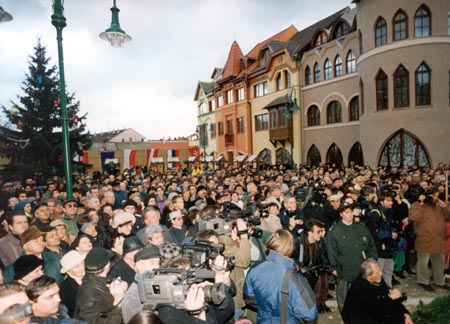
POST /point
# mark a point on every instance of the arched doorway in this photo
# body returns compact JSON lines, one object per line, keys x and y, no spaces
{"x":283,"y":156}
{"x":334,"y":155}
{"x":265,"y":157}
{"x":356,"y":154}
{"x":313,"y":158}
{"x":404,"y":149}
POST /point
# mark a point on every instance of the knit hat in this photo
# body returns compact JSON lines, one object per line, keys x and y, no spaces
{"x":97,"y":259}
{"x":70,"y":260}
{"x":123,"y":218}
{"x":26,"y":264}
{"x":30,"y":234}
{"x":37,"y":206}
{"x":175,"y":214}
{"x":152,"y":229}
{"x":130,"y":244}
{"x":21,"y":205}
{"x":86,"y":225}
{"x":147,"y":253}
{"x":170,"y":251}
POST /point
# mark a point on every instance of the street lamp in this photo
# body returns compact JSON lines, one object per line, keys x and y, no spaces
{"x":289,"y":109}
{"x":5,"y":16}
{"x":59,"y":21}
{"x":114,"y":34}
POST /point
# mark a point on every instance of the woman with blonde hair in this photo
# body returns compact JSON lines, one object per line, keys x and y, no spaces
{"x":278,"y":270}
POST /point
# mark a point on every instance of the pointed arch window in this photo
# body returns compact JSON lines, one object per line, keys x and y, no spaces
{"x":356,"y":154}
{"x":422,"y":22}
{"x":423,"y":87}
{"x":334,"y":112}
{"x":353,"y":109}
{"x":338,"y":66}
{"x":313,"y":157}
{"x":320,"y":39}
{"x":404,"y":149}
{"x":380,"y":32}
{"x":401,"y":87}
{"x":283,"y":156}
{"x":308,"y":76}
{"x":382,"y":90}
{"x":334,"y":155}
{"x":400,"y":26}
{"x":327,"y":70}
{"x":313,"y":116}
{"x":265,"y":156}
{"x":351,"y":62}
{"x":341,"y":30}
{"x":316,"y":72}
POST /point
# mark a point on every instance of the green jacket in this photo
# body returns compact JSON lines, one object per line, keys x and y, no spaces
{"x":348,"y":247}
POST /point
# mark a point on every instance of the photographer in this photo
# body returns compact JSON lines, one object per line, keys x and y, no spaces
{"x":430,"y":214}
{"x":370,"y":301}
{"x":291,"y":216}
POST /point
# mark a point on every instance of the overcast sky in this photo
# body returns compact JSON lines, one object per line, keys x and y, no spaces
{"x":149,"y":83}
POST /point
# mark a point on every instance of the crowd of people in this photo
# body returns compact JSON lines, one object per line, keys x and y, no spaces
{"x":273,"y":244}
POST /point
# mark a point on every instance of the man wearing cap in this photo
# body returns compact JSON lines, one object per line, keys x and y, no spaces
{"x":32,"y":242}
{"x":177,"y":232}
{"x":330,"y":208}
{"x":145,"y":260}
{"x":27,"y":268}
{"x":10,"y":248}
{"x":61,"y":230}
{"x":41,"y":214}
{"x":348,"y":245}
{"x":97,"y":301}
{"x":70,"y":216}
{"x":124,"y":268}
{"x":151,"y":217}
{"x":72,"y":265}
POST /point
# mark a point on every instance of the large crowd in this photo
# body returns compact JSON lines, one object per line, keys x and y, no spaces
{"x":223,"y":245}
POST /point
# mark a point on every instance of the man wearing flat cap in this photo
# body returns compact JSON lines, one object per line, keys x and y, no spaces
{"x":97,"y":301}
{"x":72,"y":264}
{"x":124,"y":268}
{"x":41,"y":214}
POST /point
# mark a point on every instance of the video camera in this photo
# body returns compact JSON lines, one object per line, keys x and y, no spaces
{"x":16,"y":313}
{"x":200,"y":252}
{"x":170,"y":286}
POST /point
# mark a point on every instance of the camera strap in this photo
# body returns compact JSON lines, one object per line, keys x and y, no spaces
{"x":284,"y":296}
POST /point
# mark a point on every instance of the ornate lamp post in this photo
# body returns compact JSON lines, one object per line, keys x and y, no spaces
{"x":289,"y":109}
{"x":114,"y":34}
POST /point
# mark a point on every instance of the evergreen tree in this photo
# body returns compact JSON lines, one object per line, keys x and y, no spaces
{"x":35,"y":149}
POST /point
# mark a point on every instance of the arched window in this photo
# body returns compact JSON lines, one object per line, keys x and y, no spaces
{"x":401,"y":87}
{"x":400,"y":25}
{"x":382,"y":90}
{"x":334,"y":156}
{"x":338,"y":66}
{"x":313,"y":158}
{"x":327,"y":70}
{"x":334,"y":112}
{"x":353,"y":109}
{"x":340,"y":30}
{"x":422,"y":22}
{"x":380,"y":32}
{"x":361,"y":91}
{"x":316,"y":72}
{"x":404,"y":149}
{"x":351,"y":62}
{"x":423,"y":86}
{"x":283,"y":156}
{"x":279,"y":82}
{"x":308,"y":76}
{"x":320,"y":39}
{"x":355,"y":156}
{"x":313,"y":116}
{"x":265,"y":156}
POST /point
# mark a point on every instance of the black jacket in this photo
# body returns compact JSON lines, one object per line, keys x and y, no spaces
{"x":124,"y":271}
{"x":95,"y":303}
{"x":68,"y":291}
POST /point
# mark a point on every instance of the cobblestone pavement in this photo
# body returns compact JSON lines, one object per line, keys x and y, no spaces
{"x":409,"y":286}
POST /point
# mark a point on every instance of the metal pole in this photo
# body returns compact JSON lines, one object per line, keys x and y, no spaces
{"x":59,"y":21}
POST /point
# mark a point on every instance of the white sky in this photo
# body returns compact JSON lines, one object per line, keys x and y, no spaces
{"x":149,"y":83}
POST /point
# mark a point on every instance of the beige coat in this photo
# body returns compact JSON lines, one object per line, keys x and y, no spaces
{"x":430,"y":227}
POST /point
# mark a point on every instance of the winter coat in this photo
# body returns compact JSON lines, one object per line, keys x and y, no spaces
{"x":95,"y":303}
{"x":348,"y":246}
{"x":10,"y":249}
{"x":263,"y":288}
{"x":68,"y":293}
{"x":430,"y":227}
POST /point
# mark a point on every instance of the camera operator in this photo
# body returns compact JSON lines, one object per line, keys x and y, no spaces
{"x":311,"y":259}
{"x":430,"y":214}
{"x":369,"y":299}
{"x":269,"y":217}
{"x":291,"y":216}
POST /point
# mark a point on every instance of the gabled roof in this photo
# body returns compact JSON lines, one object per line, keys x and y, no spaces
{"x":206,"y":87}
{"x":304,"y":37}
{"x":282,"y":36}
{"x":233,"y":65}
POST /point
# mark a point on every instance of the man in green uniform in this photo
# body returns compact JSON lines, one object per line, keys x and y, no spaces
{"x":348,"y":245}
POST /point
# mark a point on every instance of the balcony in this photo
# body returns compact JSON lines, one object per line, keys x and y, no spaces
{"x":280,"y":134}
{"x":229,"y":139}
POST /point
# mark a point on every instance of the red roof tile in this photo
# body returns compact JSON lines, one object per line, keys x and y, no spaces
{"x":282,"y":36}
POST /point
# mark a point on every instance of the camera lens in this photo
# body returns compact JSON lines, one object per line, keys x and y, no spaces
{"x":214,"y":294}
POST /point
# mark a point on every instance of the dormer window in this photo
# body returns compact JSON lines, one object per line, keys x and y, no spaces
{"x":320,"y":39}
{"x":341,"y":30}
{"x":265,"y":57}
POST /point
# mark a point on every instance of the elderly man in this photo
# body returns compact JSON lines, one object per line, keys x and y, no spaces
{"x":41,"y":216}
{"x":151,"y":217}
{"x":371,"y":301}
{"x":72,"y":264}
